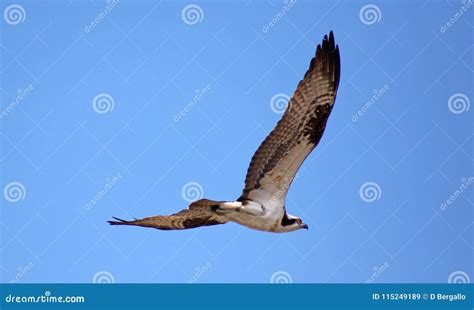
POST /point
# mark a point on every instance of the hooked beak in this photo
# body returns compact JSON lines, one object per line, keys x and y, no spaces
{"x":303,"y":225}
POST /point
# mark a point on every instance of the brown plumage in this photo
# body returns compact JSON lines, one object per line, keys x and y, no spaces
{"x":274,"y":165}
{"x":200,"y":213}
{"x":278,"y":158}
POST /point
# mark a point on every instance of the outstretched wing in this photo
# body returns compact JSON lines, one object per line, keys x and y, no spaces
{"x":279,"y":157}
{"x":199,"y":214}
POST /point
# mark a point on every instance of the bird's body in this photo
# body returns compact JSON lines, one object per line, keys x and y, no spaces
{"x":253,"y":215}
{"x":276,"y":162}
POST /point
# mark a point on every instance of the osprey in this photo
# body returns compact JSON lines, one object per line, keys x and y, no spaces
{"x":273,"y":167}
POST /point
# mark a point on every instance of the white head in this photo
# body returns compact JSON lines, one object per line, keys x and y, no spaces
{"x":291,"y":223}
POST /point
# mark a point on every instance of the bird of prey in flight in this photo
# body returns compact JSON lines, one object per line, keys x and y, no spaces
{"x":276,"y":162}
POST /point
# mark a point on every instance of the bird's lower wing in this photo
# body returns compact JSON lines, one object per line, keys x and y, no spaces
{"x":186,"y":219}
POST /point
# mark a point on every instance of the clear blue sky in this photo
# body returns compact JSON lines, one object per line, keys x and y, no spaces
{"x":192,"y":102}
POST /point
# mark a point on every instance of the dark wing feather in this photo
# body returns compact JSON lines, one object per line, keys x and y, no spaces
{"x":199,"y":214}
{"x":279,"y":157}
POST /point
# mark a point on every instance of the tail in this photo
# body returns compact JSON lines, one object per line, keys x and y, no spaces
{"x":145,"y":222}
{"x":122,"y":222}
{"x":199,"y":213}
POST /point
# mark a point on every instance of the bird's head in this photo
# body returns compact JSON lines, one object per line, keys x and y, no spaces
{"x":291,"y":223}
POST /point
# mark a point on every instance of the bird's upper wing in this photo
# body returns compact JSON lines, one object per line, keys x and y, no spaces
{"x":199,"y":214}
{"x":279,"y":157}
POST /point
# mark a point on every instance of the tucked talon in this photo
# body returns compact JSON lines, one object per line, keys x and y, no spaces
{"x":225,"y":211}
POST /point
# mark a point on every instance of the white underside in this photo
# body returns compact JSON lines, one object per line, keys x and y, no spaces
{"x":252,"y":215}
